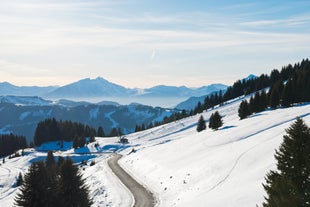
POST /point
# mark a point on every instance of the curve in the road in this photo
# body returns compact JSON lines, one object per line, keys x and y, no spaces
{"x":142,"y":196}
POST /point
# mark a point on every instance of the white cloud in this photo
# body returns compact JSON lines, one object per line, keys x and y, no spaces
{"x":153,"y":55}
{"x":95,"y":35}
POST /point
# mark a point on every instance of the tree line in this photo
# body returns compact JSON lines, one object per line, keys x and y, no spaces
{"x":9,"y":143}
{"x":53,"y":130}
{"x":295,"y":90}
{"x":167,"y":119}
{"x":296,"y":76}
{"x":52,"y":184}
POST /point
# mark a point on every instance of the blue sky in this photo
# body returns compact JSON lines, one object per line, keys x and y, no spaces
{"x":142,"y":43}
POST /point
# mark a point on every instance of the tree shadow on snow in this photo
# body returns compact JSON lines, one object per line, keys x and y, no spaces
{"x":227,"y":127}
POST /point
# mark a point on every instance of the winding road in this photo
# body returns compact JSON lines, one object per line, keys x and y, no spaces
{"x":142,"y":197}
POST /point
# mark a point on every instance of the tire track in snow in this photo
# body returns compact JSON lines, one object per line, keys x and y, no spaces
{"x":7,"y":189}
{"x":242,"y":154}
{"x":232,"y":169}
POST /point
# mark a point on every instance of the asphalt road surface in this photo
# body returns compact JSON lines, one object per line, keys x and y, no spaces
{"x":142,"y":197}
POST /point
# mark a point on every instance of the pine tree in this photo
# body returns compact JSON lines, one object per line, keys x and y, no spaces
{"x":201,"y":124}
{"x":244,"y":110}
{"x":263,"y":100}
{"x":20,"y":179}
{"x":82,"y":141}
{"x":76,"y":142}
{"x":288,"y":94}
{"x":275,"y":94}
{"x":114,"y":132}
{"x":34,"y":191}
{"x":50,"y":160}
{"x":215,"y":121}
{"x":290,"y":184}
{"x":73,"y":191}
{"x":100,"y":132}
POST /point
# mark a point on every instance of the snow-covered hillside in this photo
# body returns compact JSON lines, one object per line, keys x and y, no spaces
{"x":211,"y":168}
{"x":181,"y":166}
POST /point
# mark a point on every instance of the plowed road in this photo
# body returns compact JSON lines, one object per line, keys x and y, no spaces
{"x":142,"y":197}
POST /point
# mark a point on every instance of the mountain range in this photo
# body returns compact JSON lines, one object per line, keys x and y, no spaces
{"x":20,"y":115}
{"x":101,"y":89}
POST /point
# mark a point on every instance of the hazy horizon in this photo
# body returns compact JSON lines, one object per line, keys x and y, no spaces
{"x":140,"y":44}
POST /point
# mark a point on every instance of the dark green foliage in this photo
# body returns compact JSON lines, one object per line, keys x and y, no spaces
{"x":75,"y":143}
{"x":82,"y":142}
{"x":173,"y":117}
{"x":37,"y":189}
{"x":20,"y":179}
{"x":215,"y":121}
{"x":50,"y":160}
{"x":201,"y":124}
{"x":244,"y":110}
{"x":100,"y":132}
{"x":92,"y":139}
{"x":52,"y":130}
{"x":297,"y":91}
{"x":263,"y":101}
{"x":275,"y":94}
{"x":290,"y":184}
{"x":213,"y":100}
{"x":113,"y":133}
{"x":119,"y":132}
{"x":47,"y":130}
{"x":10,"y":143}
{"x":275,"y":76}
{"x":199,"y":108}
{"x":72,"y":189}
{"x":60,"y":162}
{"x":45,"y":188}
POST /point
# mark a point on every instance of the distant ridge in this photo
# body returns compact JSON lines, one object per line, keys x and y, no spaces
{"x":7,"y":88}
{"x":100,"y":89}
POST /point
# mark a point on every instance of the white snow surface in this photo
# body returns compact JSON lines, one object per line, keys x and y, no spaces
{"x":179,"y":165}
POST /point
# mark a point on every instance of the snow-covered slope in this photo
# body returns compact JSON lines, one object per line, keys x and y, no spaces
{"x":211,"y":168}
{"x":181,"y":166}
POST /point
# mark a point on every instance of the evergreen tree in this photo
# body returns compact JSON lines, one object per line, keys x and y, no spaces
{"x":10,"y":143}
{"x":76,"y":142}
{"x":72,"y":189}
{"x":20,"y":179}
{"x":50,"y":160}
{"x":244,"y":110}
{"x":256,"y":103}
{"x":119,"y":132}
{"x":201,"y":124}
{"x":114,"y":132}
{"x":263,"y":100}
{"x":288,"y":94}
{"x":60,"y":161}
{"x":275,"y":94}
{"x":35,"y":190}
{"x":82,"y":141}
{"x":100,"y":132}
{"x":290,"y":184}
{"x":215,"y":121}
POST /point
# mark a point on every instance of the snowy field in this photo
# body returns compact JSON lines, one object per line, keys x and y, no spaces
{"x":179,"y":165}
